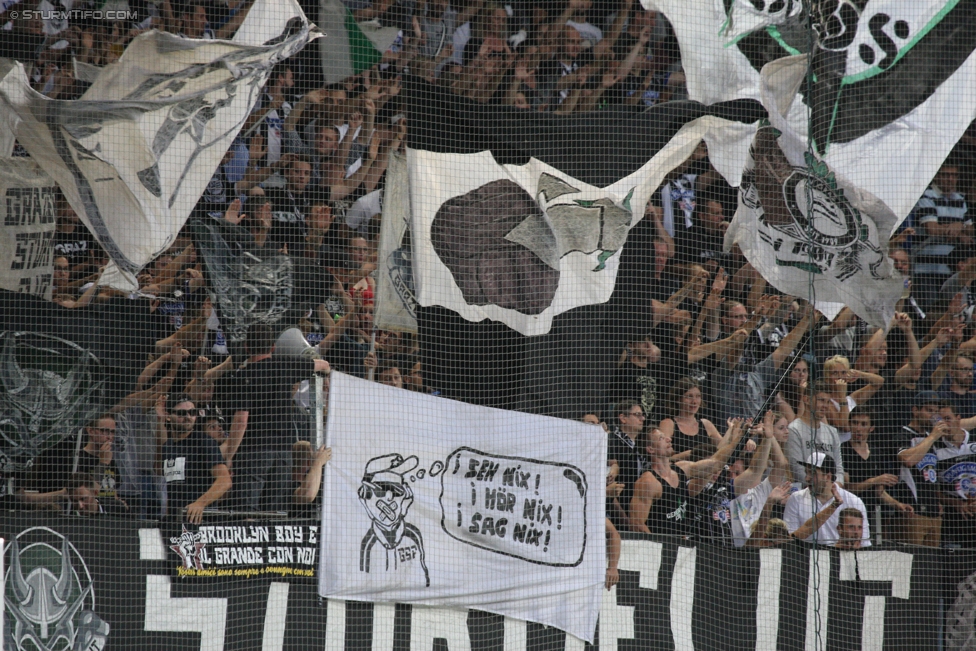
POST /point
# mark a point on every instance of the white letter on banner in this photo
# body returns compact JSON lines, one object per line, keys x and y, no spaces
{"x":767,"y":604}
{"x":683,"y":598}
{"x":383,"y":616}
{"x":818,"y":599}
{"x":617,"y":622}
{"x":274,"y":617}
{"x":189,"y":615}
{"x":335,"y":625}
{"x":427,"y":623}
{"x":877,"y":566}
{"x":516,"y":634}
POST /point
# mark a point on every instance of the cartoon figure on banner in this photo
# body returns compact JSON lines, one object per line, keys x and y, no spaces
{"x":189,"y":547}
{"x":50,"y":600}
{"x":387,"y":498}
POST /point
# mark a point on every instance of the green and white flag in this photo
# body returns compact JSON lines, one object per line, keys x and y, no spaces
{"x":798,"y":223}
{"x":349,"y":47}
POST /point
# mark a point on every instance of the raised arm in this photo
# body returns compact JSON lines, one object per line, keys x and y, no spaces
{"x":613,"y":554}
{"x":700,"y":472}
{"x":757,"y":535}
{"x":813,"y":525}
{"x":913,"y":455}
{"x":792,"y":340}
{"x":760,"y":459}
{"x":312,"y":481}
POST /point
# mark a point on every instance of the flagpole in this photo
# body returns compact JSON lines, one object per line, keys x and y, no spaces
{"x":372,"y":349}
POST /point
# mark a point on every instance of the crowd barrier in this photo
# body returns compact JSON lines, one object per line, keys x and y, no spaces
{"x":119,"y":584}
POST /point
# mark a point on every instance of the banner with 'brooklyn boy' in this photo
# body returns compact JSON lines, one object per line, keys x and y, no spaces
{"x":254,"y":549}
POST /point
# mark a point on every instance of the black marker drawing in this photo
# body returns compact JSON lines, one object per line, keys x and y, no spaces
{"x":387,"y":498}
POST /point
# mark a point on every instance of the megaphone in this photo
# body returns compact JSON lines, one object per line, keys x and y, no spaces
{"x":291,"y":343}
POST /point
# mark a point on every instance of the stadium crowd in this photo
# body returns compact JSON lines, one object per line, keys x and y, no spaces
{"x":741,"y":415}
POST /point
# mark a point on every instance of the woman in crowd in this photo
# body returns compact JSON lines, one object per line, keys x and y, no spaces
{"x":684,"y":427}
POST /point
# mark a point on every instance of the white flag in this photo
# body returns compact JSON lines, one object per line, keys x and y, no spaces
{"x":27,"y":223}
{"x":396,"y":300}
{"x":891,"y":88}
{"x":134,"y":154}
{"x":441,"y":503}
{"x":799,"y":223}
{"x":724,"y":46}
{"x":521,"y":244}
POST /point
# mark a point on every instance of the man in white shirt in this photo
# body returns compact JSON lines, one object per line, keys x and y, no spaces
{"x":813,"y":514}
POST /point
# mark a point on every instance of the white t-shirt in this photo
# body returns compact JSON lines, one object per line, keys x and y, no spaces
{"x":799,"y":509}
{"x":746,"y":510}
{"x":845,"y":436}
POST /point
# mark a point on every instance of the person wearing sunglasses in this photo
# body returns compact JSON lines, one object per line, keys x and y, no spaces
{"x":188,"y":459}
{"x":392,"y":545}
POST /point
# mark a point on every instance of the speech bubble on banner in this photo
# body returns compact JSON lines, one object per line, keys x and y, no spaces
{"x":533,"y":510}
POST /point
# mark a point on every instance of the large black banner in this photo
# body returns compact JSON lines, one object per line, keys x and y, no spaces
{"x":76,"y":584}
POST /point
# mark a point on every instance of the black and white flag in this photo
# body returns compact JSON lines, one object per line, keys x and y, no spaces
{"x":518,"y":217}
{"x":246,"y":285}
{"x":891,"y":91}
{"x":724,"y":46}
{"x":428,"y":493}
{"x":797,"y":221}
{"x":725,"y":43}
{"x":135,"y":152}
{"x":27,"y":223}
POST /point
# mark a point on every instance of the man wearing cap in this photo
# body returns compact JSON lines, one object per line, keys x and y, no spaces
{"x":188,"y":459}
{"x":387,"y":498}
{"x":919,"y":472}
{"x":813,"y":514}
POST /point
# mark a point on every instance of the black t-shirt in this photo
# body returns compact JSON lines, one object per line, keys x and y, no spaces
{"x":264,"y":390}
{"x":628,"y":460}
{"x":859,"y":469}
{"x":698,"y":245}
{"x":645,"y":385}
{"x":681,"y":442}
{"x":347,"y":355}
{"x":188,"y":468}
{"x":288,"y":211}
{"x":311,"y":284}
{"x":662,"y":288}
{"x":52,"y":470}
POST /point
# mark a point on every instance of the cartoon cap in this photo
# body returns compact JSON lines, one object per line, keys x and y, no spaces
{"x":389,"y":467}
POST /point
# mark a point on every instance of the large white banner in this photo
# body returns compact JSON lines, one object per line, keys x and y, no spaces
{"x":521,"y":244}
{"x":27,"y":223}
{"x":134,"y":154}
{"x":436,"y":502}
